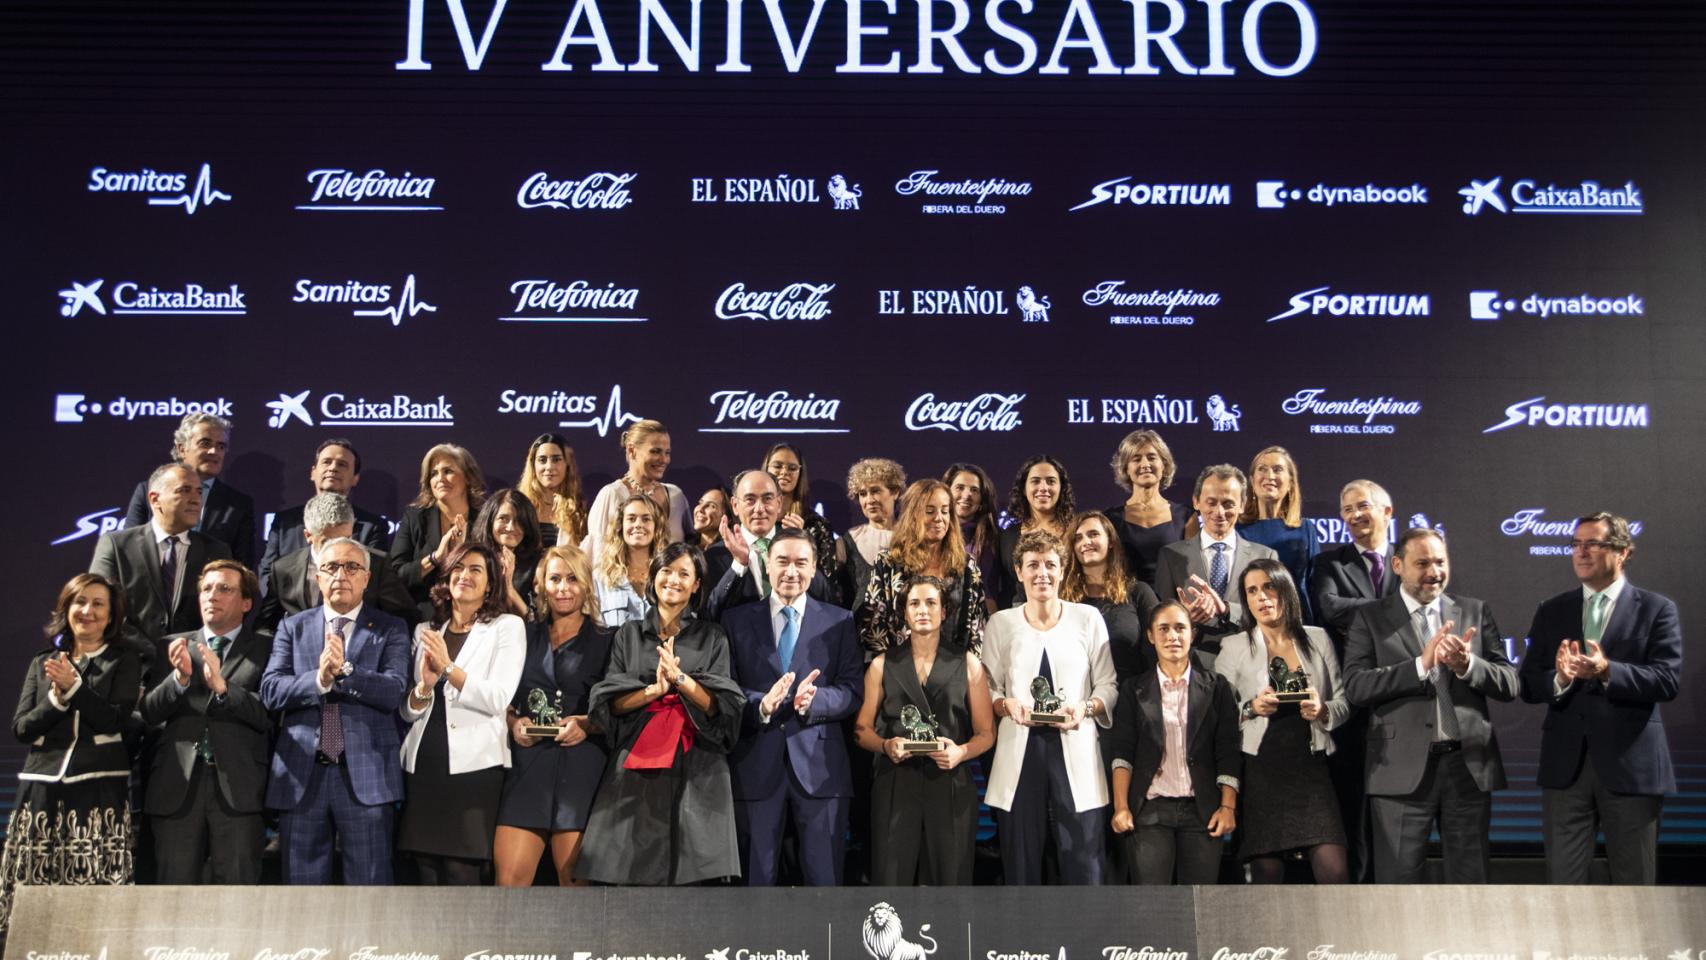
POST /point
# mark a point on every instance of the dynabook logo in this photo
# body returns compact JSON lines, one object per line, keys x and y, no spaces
{"x":1532,"y":523}
{"x":1319,"y":301}
{"x":75,"y":407}
{"x":375,"y":298}
{"x":130,"y":297}
{"x":1121,"y":190}
{"x":582,"y":406}
{"x":1488,"y":305}
{"x":1587,"y":197}
{"x":165,"y":189}
{"x":975,"y":193}
{"x":1536,"y":412}
{"x":796,"y":301}
{"x":336,"y":409}
{"x":743,"y":411}
{"x":595,"y":191}
{"x":335,"y":190}
{"x":984,"y":413}
{"x":781,"y":188}
{"x":1159,"y":409}
{"x":576,"y":301}
{"x":1157,"y":307}
{"x":1274,"y":195}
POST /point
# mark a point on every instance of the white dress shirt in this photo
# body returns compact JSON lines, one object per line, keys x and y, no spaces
{"x":1611,"y":594}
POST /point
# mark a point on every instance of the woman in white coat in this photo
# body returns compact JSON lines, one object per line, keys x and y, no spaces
{"x":1287,"y":795}
{"x":1049,"y":768}
{"x":468,"y":662}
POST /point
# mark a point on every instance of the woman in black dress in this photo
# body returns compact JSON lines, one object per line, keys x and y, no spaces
{"x":785,"y":462}
{"x":1041,"y":500}
{"x":926,"y":544}
{"x":1147,"y":521}
{"x":551,"y":782}
{"x":468,"y":661}
{"x":665,"y":811}
{"x":436,"y":522}
{"x":924,"y":805}
{"x":509,"y":525}
{"x":72,"y":821}
{"x":1290,"y":808}
{"x":1096,"y":574}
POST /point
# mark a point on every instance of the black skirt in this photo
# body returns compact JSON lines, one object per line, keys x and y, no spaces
{"x":446,"y":814}
{"x":1288,"y":800}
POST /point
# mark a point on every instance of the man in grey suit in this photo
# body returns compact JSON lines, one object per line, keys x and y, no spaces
{"x":158,"y":565}
{"x":1203,"y":572}
{"x":204,"y":794}
{"x":1432,"y":753}
{"x":293,"y":584}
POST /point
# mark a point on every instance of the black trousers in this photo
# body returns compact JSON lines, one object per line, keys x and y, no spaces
{"x":1044,"y":794}
{"x":1171,"y":843}
{"x":205,"y":840}
{"x":1630,"y":822}
{"x":1448,"y":793}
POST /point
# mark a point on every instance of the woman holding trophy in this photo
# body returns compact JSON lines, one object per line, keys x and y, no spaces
{"x":1286,"y":678}
{"x":926,"y":711}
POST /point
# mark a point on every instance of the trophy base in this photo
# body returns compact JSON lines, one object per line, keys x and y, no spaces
{"x":1047,"y":719}
{"x":920,"y":746}
{"x":543,"y":731}
{"x":1296,"y":696}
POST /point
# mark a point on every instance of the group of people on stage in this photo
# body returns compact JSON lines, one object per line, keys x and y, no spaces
{"x":660,"y":690}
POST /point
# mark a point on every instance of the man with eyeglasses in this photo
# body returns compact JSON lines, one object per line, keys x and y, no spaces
{"x":1602,"y":657}
{"x":338,"y":674}
{"x":227,"y":514}
{"x":736,"y":566}
{"x":292,"y":585}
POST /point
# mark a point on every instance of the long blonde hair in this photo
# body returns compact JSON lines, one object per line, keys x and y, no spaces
{"x":1291,"y":505}
{"x":909,"y":549}
{"x":613,"y":559}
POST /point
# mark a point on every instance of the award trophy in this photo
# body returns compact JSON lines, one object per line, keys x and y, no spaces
{"x":1290,"y":686}
{"x":921,"y":734}
{"x":1045,"y":704}
{"x":544,"y":718}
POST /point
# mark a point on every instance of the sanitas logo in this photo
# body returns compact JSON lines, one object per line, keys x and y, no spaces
{"x":1587,"y":197}
{"x":781,"y":188}
{"x":1309,"y":402}
{"x":1274,"y":195}
{"x":777,"y":412}
{"x":577,"y":301}
{"x":1161,"y":308}
{"x":96,"y":524}
{"x":1531,"y":523}
{"x":1121,"y":190}
{"x":1488,"y":305}
{"x":595,"y":191}
{"x":986,"y":412}
{"x":130,"y":297}
{"x":335,"y":190}
{"x":976,"y":192}
{"x":1318,"y":301}
{"x":166,"y":189}
{"x":563,"y":403}
{"x":1159,"y":409}
{"x":796,"y":301}
{"x":74,"y":407}
{"x":1536,"y":412}
{"x":336,"y":409}
{"x":354,"y":291}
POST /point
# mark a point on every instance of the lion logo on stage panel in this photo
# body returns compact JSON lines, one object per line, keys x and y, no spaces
{"x":1223,"y":416}
{"x":884,"y":938}
{"x":1032,"y":309}
{"x":845,"y":198}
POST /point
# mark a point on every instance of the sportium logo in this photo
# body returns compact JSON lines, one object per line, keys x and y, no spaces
{"x":130,"y":297}
{"x":341,"y":410}
{"x":369,"y":299}
{"x":1277,"y":195}
{"x":1489,"y":305}
{"x":1323,"y":301}
{"x":163,"y":189}
{"x":1528,"y":196}
{"x":1121,"y":191}
{"x":1536,"y":412}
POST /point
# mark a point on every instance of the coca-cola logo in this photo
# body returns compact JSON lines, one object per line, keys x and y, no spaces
{"x":595,"y":191}
{"x":796,"y":301}
{"x":987,"y":412}
{"x":1260,"y":953}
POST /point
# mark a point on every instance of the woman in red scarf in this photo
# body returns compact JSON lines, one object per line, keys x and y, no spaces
{"x":665,"y":813}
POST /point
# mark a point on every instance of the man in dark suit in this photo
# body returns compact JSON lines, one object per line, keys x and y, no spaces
{"x":338,"y":674}
{"x":1432,"y":753}
{"x":735,"y":567}
{"x":336,"y":469}
{"x":157,"y":565}
{"x":791,"y":763}
{"x":227,"y":514}
{"x":295,"y":585}
{"x":1203,"y":572}
{"x":1603,"y":754}
{"x":1343,"y":578}
{"x":204,"y":794}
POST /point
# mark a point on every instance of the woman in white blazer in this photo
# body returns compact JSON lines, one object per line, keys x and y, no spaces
{"x":468,"y":662}
{"x":1039,"y":768}
{"x":1288,"y":803}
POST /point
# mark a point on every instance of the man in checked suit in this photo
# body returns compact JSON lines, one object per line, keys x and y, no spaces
{"x":1424,"y":663}
{"x":158,"y":565}
{"x":204,"y":794}
{"x":1603,"y":754}
{"x":295,"y":584}
{"x":1203,"y":572}
{"x":791,"y":763}
{"x":338,"y":674}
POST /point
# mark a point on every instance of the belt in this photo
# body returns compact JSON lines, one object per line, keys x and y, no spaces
{"x":1444,"y":746}
{"x":326,"y":761}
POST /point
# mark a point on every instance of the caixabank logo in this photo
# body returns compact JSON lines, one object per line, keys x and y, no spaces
{"x":1586,"y":197}
{"x":337,"y":409}
{"x":130,"y":297}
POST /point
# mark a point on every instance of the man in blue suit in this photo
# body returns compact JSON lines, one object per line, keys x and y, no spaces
{"x":1602,"y":658}
{"x":338,"y":673}
{"x":791,"y":762}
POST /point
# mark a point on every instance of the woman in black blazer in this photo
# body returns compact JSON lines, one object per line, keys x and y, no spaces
{"x":437,"y":521}
{"x":1174,"y":807}
{"x":72,"y":822}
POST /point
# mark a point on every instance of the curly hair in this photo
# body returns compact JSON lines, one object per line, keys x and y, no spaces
{"x":613,"y":559}
{"x":877,"y":470}
{"x":1019,"y":508}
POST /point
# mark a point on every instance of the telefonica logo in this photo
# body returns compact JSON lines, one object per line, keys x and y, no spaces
{"x":796,"y":301}
{"x":1536,"y":412}
{"x":1527,"y":196}
{"x":1489,"y":305}
{"x":1276,"y":195}
{"x":1121,"y":190}
{"x":75,"y":407}
{"x":338,"y":409}
{"x":1322,"y":301}
{"x":595,"y":191}
{"x":164,"y":189}
{"x":745,"y":411}
{"x":372,"y":299}
{"x":336,"y":190}
{"x":130,"y":297}
{"x":572,"y":301}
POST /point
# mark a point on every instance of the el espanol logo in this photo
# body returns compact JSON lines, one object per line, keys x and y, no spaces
{"x":968,"y":301}
{"x":1526,"y":196}
{"x":984,"y":413}
{"x":337,"y":409}
{"x":337,"y":190}
{"x":169,"y":189}
{"x":576,"y":301}
{"x":130,"y":297}
{"x":1488,"y":305}
{"x":1321,"y":301}
{"x":795,"y":301}
{"x":1159,"y":409}
{"x":1275,"y":195}
{"x":781,"y":188}
{"x":967,"y":196}
{"x":1121,"y":191}
{"x":375,"y":297}
{"x":602,"y":190}
{"x":1158,"y":305}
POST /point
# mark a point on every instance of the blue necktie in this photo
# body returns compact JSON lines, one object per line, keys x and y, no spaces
{"x":1217,"y":569}
{"x":790,"y":636}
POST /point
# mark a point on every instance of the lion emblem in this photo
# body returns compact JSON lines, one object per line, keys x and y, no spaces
{"x":1224,"y":417}
{"x":884,"y":939}
{"x":845,"y":198}
{"x":1032,"y":309}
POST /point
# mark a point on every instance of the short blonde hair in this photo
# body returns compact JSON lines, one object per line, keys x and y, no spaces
{"x":1129,"y":447}
{"x":581,"y":567}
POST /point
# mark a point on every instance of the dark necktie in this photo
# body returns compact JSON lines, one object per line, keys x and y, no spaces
{"x":169,"y":571}
{"x":1217,"y":572}
{"x":205,"y":747}
{"x":1376,"y":573}
{"x":331,"y":715}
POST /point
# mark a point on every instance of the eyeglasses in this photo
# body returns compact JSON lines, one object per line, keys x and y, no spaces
{"x":1577,"y":546}
{"x":349,"y":569}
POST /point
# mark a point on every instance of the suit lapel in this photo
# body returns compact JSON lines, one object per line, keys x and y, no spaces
{"x":1149,"y":699}
{"x":195,"y":557}
{"x":909,"y":680}
{"x":1396,"y":619}
{"x":145,"y":553}
{"x":1360,"y":580}
{"x":1194,"y":565}
{"x":1199,"y":693}
{"x":1622,"y":616}
{"x":1242,"y":555}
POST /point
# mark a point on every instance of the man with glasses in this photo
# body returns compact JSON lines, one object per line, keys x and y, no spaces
{"x":227,"y":514}
{"x":1602,"y":657}
{"x":737,"y":564}
{"x":292,"y":585}
{"x":338,"y":674}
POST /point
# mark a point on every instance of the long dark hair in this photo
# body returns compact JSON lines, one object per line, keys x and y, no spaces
{"x":984,"y":531}
{"x":1291,"y":608}
{"x":528,"y":550}
{"x":1019,"y":508}
{"x":492,"y":605}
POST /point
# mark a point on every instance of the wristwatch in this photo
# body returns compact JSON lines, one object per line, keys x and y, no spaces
{"x":680,"y":679}
{"x":347,"y":669}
